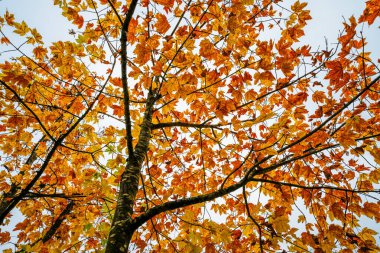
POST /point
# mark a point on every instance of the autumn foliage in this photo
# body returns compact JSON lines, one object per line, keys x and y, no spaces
{"x":183,"y":126}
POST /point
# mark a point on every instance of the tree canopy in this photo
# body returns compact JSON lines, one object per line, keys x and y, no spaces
{"x":181,"y":126}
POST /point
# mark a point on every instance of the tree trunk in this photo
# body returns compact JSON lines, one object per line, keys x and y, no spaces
{"x":121,"y":229}
{"x":121,"y":232}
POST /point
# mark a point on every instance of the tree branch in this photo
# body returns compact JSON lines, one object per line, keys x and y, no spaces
{"x":315,"y":187}
{"x":124,"y":78}
{"x":57,"y":223}
{"x":115,"y":11}
{"x":171,"y":205}
{"x":12,"y":203}
{"x":331,"y":117}
{"x":183,"y":124}
{"x":28,"y":109}
{"x":53,"y":195}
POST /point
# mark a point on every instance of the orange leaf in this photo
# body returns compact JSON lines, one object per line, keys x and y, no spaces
{"x":40,"y":52}
{"x":162,"y":25}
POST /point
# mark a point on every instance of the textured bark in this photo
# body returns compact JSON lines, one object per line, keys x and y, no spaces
{"x":121,"y":233}
{"x":57,"y":223}
{"x":124,"y":78}
{"x":122,"y":229}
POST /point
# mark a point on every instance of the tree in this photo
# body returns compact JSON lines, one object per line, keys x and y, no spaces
{"x":211,"y":137}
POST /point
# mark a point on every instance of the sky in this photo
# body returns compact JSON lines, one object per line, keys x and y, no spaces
{"x":325,"y":26}
{"x":326,"y":23}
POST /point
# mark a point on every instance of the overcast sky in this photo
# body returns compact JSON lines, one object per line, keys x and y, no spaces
{"x":326,"y":23}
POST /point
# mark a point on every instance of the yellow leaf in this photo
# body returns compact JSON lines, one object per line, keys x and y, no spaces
{"x":36,"y":36}
{"x":367,"y":234}
{"x":9,"y":18}
{"x":21,"y":29}
{"x":281,"y":224}
{"x":264,"y":117}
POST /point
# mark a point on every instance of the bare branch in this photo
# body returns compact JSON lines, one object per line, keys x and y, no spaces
{"x":314,"y":187}
{"x":183,"y":124}
{"x":124,"y":78}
